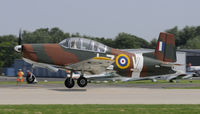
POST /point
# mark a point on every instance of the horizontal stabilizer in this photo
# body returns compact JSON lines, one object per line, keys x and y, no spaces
{"x":171,"y":64}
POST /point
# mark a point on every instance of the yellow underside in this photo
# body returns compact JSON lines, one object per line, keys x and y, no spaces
{"x":102,"y":58}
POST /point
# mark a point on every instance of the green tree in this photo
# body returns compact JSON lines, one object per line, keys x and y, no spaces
{"x":182,"y":36}
{"x":56,"y":35}
{"x":45,"y":35}
{"x":76,"y":35}
{"x":153,"y":43}
{"x":7,"y":53}
{"x":193,"y":43}
{"x":38,"y":36}
{"x":127,"y":41}
{"x":186,"y":34}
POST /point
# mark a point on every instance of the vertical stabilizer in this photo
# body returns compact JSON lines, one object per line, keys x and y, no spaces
{"x":165,"y":49}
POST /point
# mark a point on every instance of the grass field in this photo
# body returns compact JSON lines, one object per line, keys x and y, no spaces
{"x":99,"y":109}
{"x":118,"y":82}
{"x":160,"y":82}
{"x":183,"y":87}
{"x":41,"y":82}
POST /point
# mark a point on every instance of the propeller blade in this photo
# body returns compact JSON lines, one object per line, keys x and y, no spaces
{"x":20,"y":38}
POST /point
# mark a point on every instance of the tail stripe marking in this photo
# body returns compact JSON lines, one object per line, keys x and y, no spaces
{"x":161,"y":46}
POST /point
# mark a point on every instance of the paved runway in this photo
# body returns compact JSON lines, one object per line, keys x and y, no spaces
{"x":96,"y":95}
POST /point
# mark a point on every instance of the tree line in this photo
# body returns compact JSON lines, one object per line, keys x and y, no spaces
{"x":188,"y":37}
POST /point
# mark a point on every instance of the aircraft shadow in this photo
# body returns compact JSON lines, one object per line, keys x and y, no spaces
{"x":70,"y":90}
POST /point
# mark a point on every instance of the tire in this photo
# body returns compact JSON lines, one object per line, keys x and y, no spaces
{"x":68,"y":84}
{"x":82,"y":82}
{"x":171,"y":81}
{"x":30,"y":80}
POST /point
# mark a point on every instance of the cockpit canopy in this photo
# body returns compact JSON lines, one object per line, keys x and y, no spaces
{"x":83,"y":44}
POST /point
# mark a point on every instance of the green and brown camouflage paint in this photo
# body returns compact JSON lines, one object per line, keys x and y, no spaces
{"x":56,"y":54}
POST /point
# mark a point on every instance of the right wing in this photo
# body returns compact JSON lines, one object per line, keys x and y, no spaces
{"x":95,"y":65}
{"x":104,"y":75}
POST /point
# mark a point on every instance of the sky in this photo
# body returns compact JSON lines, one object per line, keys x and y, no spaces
{"x":99,"y":18}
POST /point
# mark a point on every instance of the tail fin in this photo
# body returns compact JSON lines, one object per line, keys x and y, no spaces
{"x":165,"y":49}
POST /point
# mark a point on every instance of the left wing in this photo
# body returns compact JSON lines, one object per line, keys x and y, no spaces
{"x":153,"y":78}
{"x":170,"y":78}
{"x":181,"y":76}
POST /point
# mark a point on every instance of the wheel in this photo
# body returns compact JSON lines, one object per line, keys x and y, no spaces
{"x":30,"y":80}
{"x":171,"y":81}
{"x":82,"y":82}
{"x":68,"y":83}
{"x":154,"y":80}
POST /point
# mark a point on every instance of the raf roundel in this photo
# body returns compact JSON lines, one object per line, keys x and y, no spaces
{"x":122,"y":61}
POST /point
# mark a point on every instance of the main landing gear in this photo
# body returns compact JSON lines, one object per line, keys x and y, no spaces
{"x":81,"y":81}
{"x":69,"y":82}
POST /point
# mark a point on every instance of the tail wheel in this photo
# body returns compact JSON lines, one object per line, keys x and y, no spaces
{"x":69,"y":82}
{"x":30,"y":80}
{"x":82,"y":82}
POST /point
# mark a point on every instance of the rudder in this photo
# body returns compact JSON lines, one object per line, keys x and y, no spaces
{"x":165,"y":49}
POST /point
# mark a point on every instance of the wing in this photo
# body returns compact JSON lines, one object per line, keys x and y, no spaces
{"x":94,"y":65}
{"x":181,"y":76}
{"x":168,"y":77}
{"x":153,"y":78}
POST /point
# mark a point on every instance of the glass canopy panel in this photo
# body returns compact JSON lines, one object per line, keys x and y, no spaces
{"x":98,"y":47}
{"x":83,"y":44}
{"x":65,"y":42}
{"x":75,"y":43}
{"x":87,"y":44}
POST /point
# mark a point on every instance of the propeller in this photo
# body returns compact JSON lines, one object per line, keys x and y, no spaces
{"x":20,"y":37}
{"x":19,"y":47}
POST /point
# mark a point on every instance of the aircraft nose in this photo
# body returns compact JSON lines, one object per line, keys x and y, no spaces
{"x":18,"y":48}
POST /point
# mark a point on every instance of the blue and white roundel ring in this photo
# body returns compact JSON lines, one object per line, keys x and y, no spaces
{"x":122,"y":61}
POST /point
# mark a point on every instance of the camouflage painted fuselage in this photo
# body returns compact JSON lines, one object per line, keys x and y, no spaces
{"x":126,"y":64}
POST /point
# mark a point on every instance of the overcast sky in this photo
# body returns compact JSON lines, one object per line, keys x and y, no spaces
{"x":101,"y":18}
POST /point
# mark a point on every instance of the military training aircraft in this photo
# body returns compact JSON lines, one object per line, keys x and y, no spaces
{"x":91,"y":57}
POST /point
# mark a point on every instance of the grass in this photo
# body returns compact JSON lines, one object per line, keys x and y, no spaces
{"x":119,"y":82}
{"x":161,"y":82}
{"x":183,"y":87}
{"x":158,"y":82}
{"x":41,"y":82}
{"x":7,"y":82}
{"x":99,"y":109}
